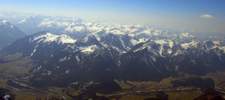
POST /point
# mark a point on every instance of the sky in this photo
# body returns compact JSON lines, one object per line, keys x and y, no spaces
{"x":191,"y":15}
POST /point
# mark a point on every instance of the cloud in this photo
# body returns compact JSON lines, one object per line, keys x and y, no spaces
{"x":207,"y":16}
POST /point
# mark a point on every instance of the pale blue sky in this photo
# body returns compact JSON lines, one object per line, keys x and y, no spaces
{"x":193,"y":15}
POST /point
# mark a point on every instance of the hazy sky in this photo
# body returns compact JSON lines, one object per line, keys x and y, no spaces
{"x":193,"y":15}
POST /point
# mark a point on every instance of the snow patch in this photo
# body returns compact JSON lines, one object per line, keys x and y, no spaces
{"x":49,"y":72}
{"x":64,"y":59}
{"x":34,"y":51}
{"x":77,"y":59}
{"x":89,"y":49}
{"x":67,"y":71}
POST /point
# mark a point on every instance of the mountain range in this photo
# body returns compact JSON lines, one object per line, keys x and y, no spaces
{"x":61,"y":59}
{"x":9,"y":33}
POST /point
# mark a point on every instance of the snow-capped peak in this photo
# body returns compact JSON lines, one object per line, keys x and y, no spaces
{"x":190,"y":44}
{"x":186,"y":35}
{"x":49,"y":37}
{"x":22,"y":21}
{"x":4,"y":22}
{"x":170,"y":43}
